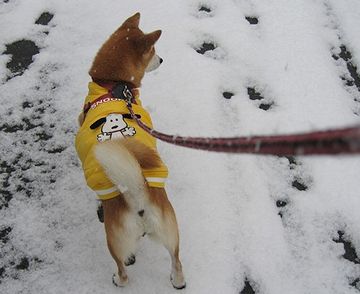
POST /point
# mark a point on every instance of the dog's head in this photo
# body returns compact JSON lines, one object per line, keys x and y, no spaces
{"x":127,"y":54}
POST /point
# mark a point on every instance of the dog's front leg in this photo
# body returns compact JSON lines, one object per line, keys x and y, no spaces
{"x":120,"y":279}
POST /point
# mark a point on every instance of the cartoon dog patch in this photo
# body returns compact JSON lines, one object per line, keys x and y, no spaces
{"x":114,"y":127}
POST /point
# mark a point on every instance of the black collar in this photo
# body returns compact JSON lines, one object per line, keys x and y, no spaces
{"x":117,"y":89}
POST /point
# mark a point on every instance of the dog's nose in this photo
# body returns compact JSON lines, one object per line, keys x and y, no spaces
{"x":161,"y":60}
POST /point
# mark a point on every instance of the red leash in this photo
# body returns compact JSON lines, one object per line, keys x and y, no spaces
{"x":341,"y":141}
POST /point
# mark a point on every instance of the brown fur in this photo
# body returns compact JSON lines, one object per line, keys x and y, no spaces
{"x":146,"y":156}
{"x":116,"y":211}
{"x":118,"y":59}
{"x":124,"y":57}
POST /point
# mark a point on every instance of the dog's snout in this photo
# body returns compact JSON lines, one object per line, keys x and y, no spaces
{"x":154,"y":63}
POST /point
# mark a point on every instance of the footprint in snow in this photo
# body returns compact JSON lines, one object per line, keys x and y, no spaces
{"x":281,"y":204}
{"x":254,"y":95}
{"x":350,"y":252}
{"x":343,"y":57}
{"x":45,"y":18}
{"x":299,"y":182}
{"x":22,"y":51}
{"x":28,"y":127}
{"x":209,"y":48}
{"x":228,"y":94}
{"x":205,"y":47}
{"x":4,"y":234}
{"x":350,"y":255}
{"x":203,"y":10}
{"x":252,"y":20}
{"x":248,"y":289}
{"x":351,"y":76}
{"x":260,"y":101}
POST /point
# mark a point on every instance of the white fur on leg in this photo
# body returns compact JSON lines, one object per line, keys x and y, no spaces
{"x":177,"y":276}
{"x":177,"y":280}
{"x":118,"y":282}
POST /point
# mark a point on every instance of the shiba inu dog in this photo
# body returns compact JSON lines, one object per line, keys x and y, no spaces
{"x":120,"y":160}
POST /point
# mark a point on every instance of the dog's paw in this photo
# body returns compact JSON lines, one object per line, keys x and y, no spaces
{"x":120,"y":282}
{"x":130,"y":260}
{"x":178,"y":281}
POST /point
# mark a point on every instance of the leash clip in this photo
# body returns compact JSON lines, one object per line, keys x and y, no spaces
{"x":122,"y":91}
{"x":128,"y":99}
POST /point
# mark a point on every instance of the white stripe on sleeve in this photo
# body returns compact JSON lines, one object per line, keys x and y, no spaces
{"x":106,"y":191}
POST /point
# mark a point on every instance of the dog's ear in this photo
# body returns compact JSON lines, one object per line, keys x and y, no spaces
{"x":153,"y":37}
{"x":98,"y":123}
{"x":128,"y":116}
{"x":145,"y":43}
{"x":132,"y":21}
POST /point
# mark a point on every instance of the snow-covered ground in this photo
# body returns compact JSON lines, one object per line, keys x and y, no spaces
{"x":248,"y":224}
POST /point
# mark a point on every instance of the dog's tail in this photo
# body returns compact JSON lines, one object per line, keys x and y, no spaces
{"x":122,"y":161}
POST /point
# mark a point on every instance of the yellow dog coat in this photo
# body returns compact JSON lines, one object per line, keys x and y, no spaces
{"x":107,"y":118}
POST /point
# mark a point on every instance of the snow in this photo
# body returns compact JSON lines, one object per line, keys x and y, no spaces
{"x":226,"y":205}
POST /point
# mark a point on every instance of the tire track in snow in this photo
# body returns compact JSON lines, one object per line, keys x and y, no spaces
{"x":307,"y":233}
{"x":342,"y":56}
{"x":242,"y":275}
{"x":231,"y":114}
{"x":350,"y":75}
{"x":308,"y":236}
{"x":33,"y":155}
{"x":298,"y":180}
{"x":22,"y":51}
{"x":209,"y":47}
{"x":246,"y":198}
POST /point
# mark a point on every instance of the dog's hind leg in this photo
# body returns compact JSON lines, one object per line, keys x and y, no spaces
{"x":120,"y":242}
{"x":120,"y":279}
{"x":177,"y":276}
{"x":168,"y":234}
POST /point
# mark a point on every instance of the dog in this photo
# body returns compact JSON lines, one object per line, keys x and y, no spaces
{"x":120,"y":160}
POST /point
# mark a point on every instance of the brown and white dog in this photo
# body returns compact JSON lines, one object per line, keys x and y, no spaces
{"x":138,"y":209}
